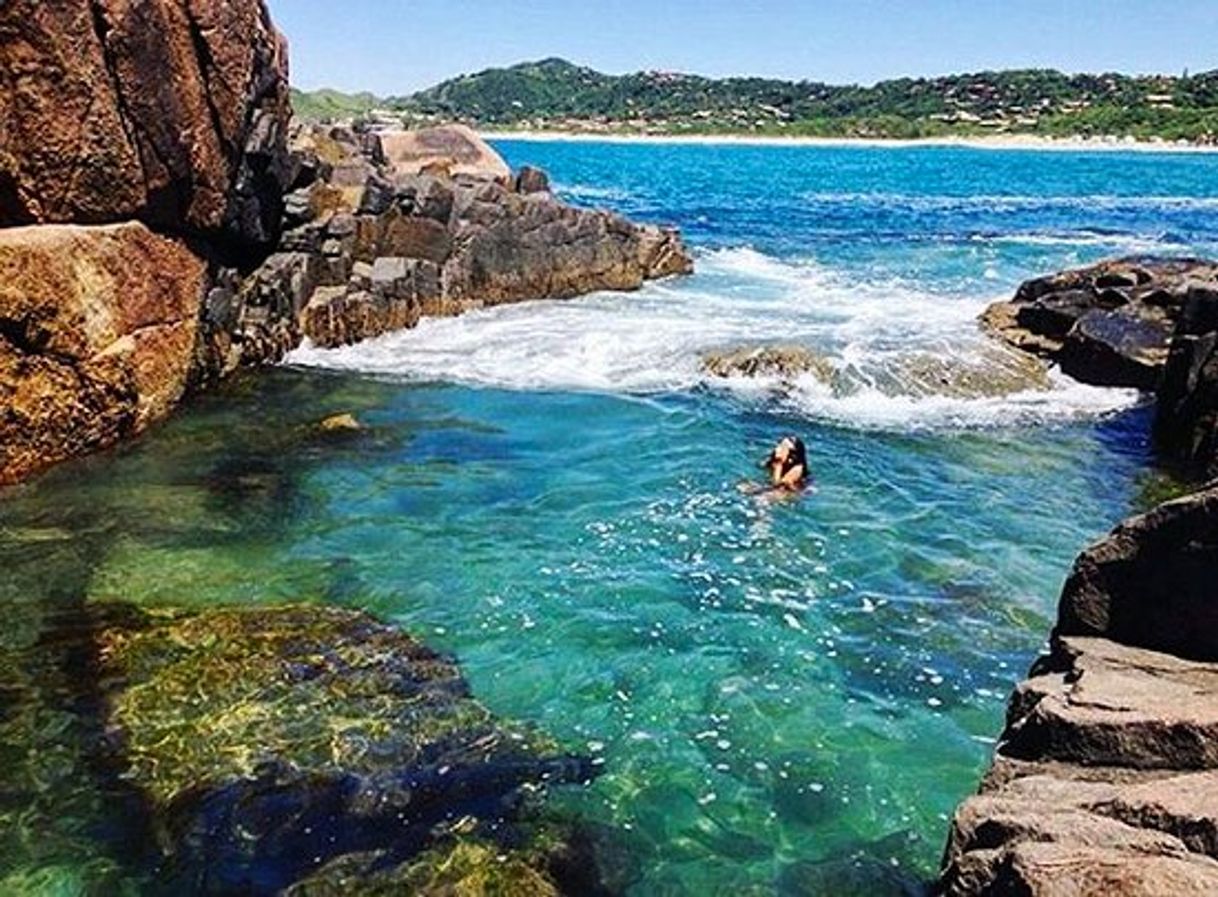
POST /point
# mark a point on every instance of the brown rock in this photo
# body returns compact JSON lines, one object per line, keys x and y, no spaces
{"x":1151,"y":583}
{"x":1098,"y":703}
{"x":171,"y":111}
{"x":452,"y":150}
{"x":97,"y":335}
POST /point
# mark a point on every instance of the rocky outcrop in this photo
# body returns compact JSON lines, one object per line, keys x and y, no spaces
{"x":173,"y":112}
{"x":1104,"y":780}
{"x":97,"y":336}
{"x":1138,"y":322}
{"x":376,"y":245}
{"x":1107,"y":325}
{"x":315,"y":750}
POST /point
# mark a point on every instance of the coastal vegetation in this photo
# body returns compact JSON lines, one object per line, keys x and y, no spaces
{"x":554,"y":94}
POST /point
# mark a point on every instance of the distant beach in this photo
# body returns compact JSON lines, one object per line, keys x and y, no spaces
{"x":1004,"y":142}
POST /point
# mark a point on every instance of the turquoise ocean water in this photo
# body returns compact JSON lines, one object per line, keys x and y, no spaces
{"x":782,"y":696}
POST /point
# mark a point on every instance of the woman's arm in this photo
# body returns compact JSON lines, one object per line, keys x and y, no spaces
{"x":794,"y":477}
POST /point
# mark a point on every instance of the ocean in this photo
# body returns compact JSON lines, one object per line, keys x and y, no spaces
{"x":783,"y":698}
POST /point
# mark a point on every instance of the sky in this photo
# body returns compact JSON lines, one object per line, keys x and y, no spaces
{"x":394,"y":47}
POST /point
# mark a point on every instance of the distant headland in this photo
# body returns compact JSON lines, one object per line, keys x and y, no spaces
{"x":1030,"y":106}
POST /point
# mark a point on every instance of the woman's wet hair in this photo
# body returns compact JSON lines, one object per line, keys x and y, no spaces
{"x":798,"y":456}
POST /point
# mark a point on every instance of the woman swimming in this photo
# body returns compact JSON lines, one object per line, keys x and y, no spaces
{"x":788,"y":465}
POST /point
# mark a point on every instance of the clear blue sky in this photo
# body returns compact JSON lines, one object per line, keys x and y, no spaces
{"x":397,"y":46}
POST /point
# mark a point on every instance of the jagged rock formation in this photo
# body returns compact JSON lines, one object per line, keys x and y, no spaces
{"x":1105,"y":779}
{"x":373,"y":248}
{"x":172,"y":112}
{"x":1109,"y":324}
{"x":97,"y":328}
{"x":1137,"y":322}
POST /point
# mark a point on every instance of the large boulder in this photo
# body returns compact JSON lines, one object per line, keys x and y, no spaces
{"x":1109,"y":324}
{"x":97,"y":335}
{"x":450,"y":149}
{"x":1151,"y":583}
{"x":173,"y":112}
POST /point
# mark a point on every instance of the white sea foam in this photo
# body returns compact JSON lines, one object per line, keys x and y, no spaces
{"x":652,"y":341}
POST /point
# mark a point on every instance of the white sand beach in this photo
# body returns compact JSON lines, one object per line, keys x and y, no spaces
{"x":997,"y":142}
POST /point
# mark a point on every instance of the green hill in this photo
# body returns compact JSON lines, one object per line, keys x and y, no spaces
{"x":557,"y":94}
{"x":332,"y":105}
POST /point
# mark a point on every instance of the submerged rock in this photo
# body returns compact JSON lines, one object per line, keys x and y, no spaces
{"x":340,"y":424}
{"x":996,"y":371}
{"x":785,"y":363}
{"x":270,"y":743}
{"x":992,"y":373}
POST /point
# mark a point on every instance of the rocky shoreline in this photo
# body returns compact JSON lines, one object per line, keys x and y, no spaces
{"x":163,"y":223}
{"x":1104,"y":778}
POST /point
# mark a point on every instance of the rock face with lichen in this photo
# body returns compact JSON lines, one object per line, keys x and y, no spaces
{"x":172,"y":112}
{"x":274,"y":747}
{"x":1104,"y":780}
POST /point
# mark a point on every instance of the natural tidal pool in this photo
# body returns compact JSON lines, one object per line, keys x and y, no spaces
{"x":783,"y":698}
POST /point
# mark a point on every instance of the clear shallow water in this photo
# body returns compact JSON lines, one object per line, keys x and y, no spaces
{"x":772,"y":687}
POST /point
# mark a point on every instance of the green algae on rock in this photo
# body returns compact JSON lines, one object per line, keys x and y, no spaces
{"x":270,"y":742}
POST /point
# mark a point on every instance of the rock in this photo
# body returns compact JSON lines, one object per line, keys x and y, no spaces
{"x":1095,"y":702}
{"x":97,"y":335}
{"x":1109,"y":324}
{"x":1151,"y":582}
{"x":314,"y":736}
{"x":413,"y":237}
{"x":174,"y":112}
{"x":993,"y":372}
{"x":532,"y":180}
{"x":1186,"y":425}
{"x":1105,"y":779}
{"x":1116,"y":348}
{"x":787,"y":363}
{"x":453,"y":149}
{"x":339,"y":424}
{"x":662,"y":253}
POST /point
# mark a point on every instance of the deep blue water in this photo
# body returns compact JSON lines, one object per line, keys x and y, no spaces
{"x":549,"y":491}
